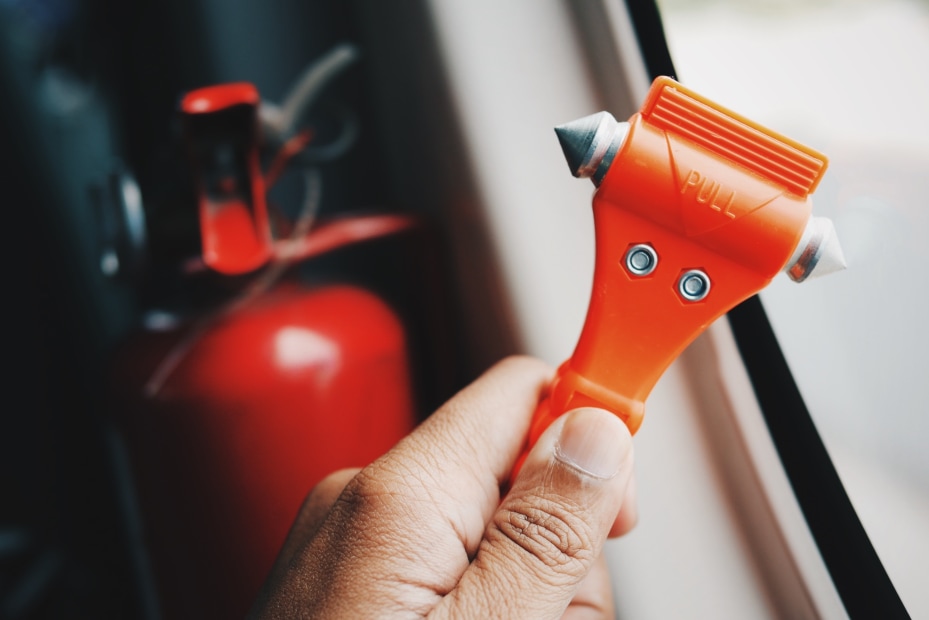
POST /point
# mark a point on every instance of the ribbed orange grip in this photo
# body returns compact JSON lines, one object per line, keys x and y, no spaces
{"x":671,"y":107}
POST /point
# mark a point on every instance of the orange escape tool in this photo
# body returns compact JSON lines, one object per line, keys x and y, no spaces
{"x":696,"y":209}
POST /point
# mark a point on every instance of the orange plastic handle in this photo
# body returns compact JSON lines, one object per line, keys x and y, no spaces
{"x":707,"y":190}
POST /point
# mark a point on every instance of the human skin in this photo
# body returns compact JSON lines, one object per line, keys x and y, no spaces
{"x":424,"y":532}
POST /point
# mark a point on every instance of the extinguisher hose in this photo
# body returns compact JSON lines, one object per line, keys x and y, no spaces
{"x":279,"y":123}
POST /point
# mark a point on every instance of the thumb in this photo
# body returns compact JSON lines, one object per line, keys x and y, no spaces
{"x":549,"y":530}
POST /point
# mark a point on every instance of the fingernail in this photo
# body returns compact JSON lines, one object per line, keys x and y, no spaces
{"x":593,"y":442}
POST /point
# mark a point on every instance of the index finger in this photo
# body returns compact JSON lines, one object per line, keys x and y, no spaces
{"x":470,"y":444}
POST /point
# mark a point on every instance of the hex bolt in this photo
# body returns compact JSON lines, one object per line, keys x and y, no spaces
{"x":641,"y":259}
{"x":693,"y":285}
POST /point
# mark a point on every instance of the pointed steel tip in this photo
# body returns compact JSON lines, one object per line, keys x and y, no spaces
{"x":818,"y":253}
{"x":577,"y":139}
{"x":571,"y":147}
{"x":831,"y":257}
{"x":589,"y":144}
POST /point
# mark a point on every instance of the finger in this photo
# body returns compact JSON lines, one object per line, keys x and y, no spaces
{"x":545,"y":536}
{"x":628,"y":514}
{"x":410,"y":522}
{"x":485,"y":424}
{"x":594,"y":597}
{"x":467,"y":448}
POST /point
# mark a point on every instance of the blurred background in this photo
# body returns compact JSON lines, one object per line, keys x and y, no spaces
{"x":103,"y":197}
{"x":849,"y":78}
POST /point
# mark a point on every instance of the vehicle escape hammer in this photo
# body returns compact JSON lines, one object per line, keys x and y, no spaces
{"x":696,"y":209}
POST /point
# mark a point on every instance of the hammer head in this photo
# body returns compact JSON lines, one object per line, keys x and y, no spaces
{"x":590,"y":145}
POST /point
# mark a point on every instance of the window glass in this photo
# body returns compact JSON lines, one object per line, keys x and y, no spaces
{"x":851,"y":79}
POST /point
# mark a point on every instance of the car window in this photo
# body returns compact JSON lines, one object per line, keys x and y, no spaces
{"x":850,"y":79}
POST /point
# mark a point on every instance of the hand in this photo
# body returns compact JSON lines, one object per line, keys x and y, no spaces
{"x":422,"y":531}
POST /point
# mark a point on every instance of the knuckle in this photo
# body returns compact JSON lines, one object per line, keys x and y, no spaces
{"x":384,"y":512}
{"x":362,"y":491}
{"x":376,"y":491}
{"x":333,"y":484}
{"x":323,"y":496}
{"x":556,"y":540}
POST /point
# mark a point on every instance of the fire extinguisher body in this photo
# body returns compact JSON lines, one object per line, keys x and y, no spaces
{"x":264,"y":403}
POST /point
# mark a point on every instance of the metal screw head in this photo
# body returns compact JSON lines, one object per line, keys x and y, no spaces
{"x":693,"y":285}
{"x":641,"y":259}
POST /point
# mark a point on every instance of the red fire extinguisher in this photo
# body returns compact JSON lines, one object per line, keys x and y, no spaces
{"x":231,"y":417}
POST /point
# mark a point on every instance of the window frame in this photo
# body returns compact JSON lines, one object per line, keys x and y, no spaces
{"x":856,"y":570}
